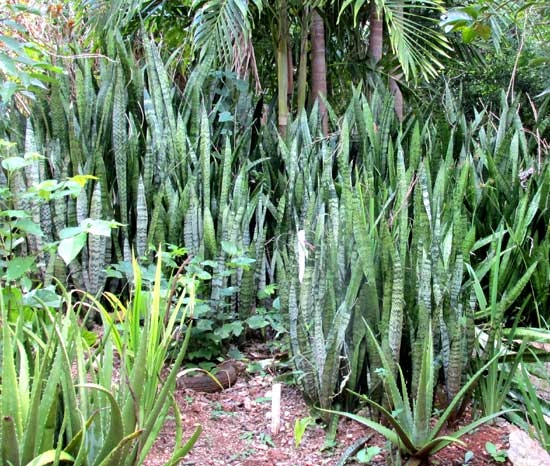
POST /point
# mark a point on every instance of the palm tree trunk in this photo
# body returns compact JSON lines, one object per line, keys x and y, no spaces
{"x":375,"y":53}
{"x":319,"y":66}
{"x":398,"y":101}
{"x":282,"y":68}
{"x":302,"y":70}
{"x":376,"y":21}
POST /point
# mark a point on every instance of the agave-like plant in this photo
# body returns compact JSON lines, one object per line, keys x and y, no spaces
{"x":142,"y":335}
{"x":58,"y":399}
{"x":413,"y":433}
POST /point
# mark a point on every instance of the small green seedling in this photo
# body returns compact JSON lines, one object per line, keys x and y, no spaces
{"x":468,"y":457}
{"x":498,"y":455}
{"x":266,"y":439}
{"x":366,"y":455}
{"x":219,"y":412}
{"x":300,"y":426}
{"x":248,"y":436}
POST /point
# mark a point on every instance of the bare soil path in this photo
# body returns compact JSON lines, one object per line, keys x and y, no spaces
{"x":236,"y":431}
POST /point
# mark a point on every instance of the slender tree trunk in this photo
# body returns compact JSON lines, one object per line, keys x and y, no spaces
{"x":282,"y":68}
{"x":302,"y":70}
{"x":398,"y":102}
{"x":376,"y":21}
{"x":376,"y":42}
{"x":290,"y":75}
{"x":319,"y":66}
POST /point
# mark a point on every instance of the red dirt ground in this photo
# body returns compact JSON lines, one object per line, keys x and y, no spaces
{"x":236,"y":431}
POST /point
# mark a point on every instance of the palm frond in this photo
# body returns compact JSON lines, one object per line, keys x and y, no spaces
{"x":221,"y":25}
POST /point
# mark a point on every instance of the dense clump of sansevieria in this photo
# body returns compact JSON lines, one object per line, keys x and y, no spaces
{"x":171,"y":165}
{"x":402,"y":227}
{"x":398,"y":225}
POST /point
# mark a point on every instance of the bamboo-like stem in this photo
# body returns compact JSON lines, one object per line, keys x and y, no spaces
{"x":282,"y":68}
{"x":290,"y":76}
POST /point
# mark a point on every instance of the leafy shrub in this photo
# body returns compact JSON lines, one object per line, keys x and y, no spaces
{"x":216,"y":324}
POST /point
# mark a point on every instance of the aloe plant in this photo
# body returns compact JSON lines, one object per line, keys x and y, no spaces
{"x":411,"y":430}
{"x":55,"y":405}
{"x":149,"y":326}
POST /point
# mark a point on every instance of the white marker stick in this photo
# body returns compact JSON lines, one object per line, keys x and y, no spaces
{"x":276,"y":409}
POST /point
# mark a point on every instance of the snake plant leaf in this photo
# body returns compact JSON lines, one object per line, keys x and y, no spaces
{"x":141,"y":220}
{"x":155,"y":63}
{"x":228,"y":156}
{"x":424,"y":396}
{"x":96,"y":246}
{"x":205,"y":158}
{"x":395,"y":324}
{"x":120,"y":142}
{"x":211,"y":247}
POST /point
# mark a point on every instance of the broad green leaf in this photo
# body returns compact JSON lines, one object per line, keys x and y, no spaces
{"x":28,"y":226}
{"x":256,"y":322}
{"x":225,"y":116}
{"x":97,"y":227}
{"x":15,"y":163}
{"x":15,"y":213}
{"x":18,"y":266}
{"x":229,"y":248}
{"x":70,"y":247}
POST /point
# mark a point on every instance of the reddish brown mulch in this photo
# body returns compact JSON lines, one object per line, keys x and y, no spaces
{"x":236,"y":431}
